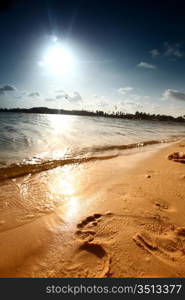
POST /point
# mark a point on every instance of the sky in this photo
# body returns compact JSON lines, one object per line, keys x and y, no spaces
{"x":97,"y":55}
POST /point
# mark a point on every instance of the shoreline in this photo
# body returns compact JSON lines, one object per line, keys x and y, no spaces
{"x":39,"y":163}
{"x":140,"y":116}
{"x":122,"y":217}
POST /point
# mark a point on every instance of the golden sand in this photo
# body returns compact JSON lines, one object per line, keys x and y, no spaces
{"x":123,"y":217}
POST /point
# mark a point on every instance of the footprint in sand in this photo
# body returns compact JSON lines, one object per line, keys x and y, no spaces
{"x":161,"y":205}
{"x":177,"y":156}
{"x":89,"y":219}
{"x":86,"y":227}
{"x":93,"y":226}
{"x":164,"y":206}
{"x":92,"y":254}
{"x":168,"y":247}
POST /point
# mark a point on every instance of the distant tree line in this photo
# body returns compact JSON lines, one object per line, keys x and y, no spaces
{"x":99,"y":113}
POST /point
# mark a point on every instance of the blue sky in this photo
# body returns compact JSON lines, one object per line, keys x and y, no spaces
{"x":108,"y":55}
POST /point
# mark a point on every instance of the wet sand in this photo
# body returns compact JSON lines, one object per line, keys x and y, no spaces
{"x":122,"y":217}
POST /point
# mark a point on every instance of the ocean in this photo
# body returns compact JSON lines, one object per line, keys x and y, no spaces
{"x":34,"y":142}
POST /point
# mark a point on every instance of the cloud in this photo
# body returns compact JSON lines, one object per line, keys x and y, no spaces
{"x":125,"y":90}
{"x":62,"y":96}
{"x":18,"y":97}
{"x":49,"y":99}
{"x":130,"y":106}
{"x":146,"y":65}
{"x":155,"y":52}
{"x":59,"y":91}
{"x":133,"y":104}
{"x":173,"y":50}
{"x":173,"y":94}
{"x":97,"y":102}
{"x":34,"y":94}
{"x":103,"y":101}
{"x":7,"y":88}
{"x":169,"y":50}
{"x":74,"y":97}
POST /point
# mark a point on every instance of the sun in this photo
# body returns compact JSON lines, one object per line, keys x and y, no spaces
{"x":58,"y":60}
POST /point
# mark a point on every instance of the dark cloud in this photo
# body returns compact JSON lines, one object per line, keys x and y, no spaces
{"x":34,"y":94}
{"x":7,"y":88}
{"x":173,"y":94}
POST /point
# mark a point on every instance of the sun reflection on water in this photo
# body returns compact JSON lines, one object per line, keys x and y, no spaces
{"x":64,"y":183}
{"x":73,"y":207}
{"x":60,"y":124}
{"x":63,"y":186}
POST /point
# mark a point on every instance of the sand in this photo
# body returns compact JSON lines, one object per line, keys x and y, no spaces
{"x":123,"y":217}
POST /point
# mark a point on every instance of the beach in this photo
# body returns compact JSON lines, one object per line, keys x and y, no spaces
{"x":119,"y":217}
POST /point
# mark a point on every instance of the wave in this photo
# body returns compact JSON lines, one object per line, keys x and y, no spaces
{"x":129,"y":146}
{"x":36,"y":164}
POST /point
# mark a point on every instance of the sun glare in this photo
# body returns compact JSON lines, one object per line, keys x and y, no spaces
{"x":58,"y":59}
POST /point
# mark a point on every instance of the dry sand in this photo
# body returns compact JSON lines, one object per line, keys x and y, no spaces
{"x":123,"y":217}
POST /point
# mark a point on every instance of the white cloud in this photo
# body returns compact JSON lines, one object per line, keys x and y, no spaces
{"x":146,"y":65}
{"x":134,"y":104}
{"x":73,"y":97}
{"x":155,"y":52}
{"x":173,"y":50}
{"x":59,"y":91}
{"x":60,"y":96}
{"x":49,"y":99}
{"x":174,"y":95}
{"x":18,"y":97}
{"x":96,"y":102}
{"x":103,"y":101}
{"x":125,"y":90}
